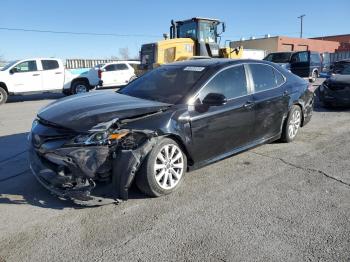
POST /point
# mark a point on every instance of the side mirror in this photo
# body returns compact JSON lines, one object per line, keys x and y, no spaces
{"x":223,"y":27}
{"x":214,"y":99}
{"x":13,"y":70}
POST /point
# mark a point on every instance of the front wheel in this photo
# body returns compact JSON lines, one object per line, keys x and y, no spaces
{"x":292,"y":124}
{"x":163,"y":169}
{"x":79,"y":87}
{"x":3,"y":96}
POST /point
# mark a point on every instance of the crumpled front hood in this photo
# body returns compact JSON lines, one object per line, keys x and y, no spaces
{"x":82,"y":112}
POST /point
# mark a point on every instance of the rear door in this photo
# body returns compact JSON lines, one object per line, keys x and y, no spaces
{"x":300,"y":63}
{"x":52,"y":74}
{"x":110,"y":75}
{"x":25,"y":77}
{"x":217,"y":130}
{"x":125,"y":72}
{"x":271,"y":102}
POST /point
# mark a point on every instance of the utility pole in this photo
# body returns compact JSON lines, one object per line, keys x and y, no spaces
{"x":301,"y":25}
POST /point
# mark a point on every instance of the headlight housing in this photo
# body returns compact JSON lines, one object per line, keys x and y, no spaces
{"x":99,"y":138}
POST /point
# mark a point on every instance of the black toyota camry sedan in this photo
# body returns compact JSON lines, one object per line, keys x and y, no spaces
{"x":173,"y":119}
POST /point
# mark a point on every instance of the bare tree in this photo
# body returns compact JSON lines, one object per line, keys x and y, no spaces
{"x":124,"y":53}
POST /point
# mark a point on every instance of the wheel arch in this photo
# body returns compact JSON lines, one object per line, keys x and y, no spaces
{"x":178,"y":140}
{"x":3,"y":85}
{"x":83,"y":79}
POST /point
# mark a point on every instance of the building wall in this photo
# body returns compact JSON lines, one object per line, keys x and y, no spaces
{"x":344,"y":41}
{"x":303,"y":44}
{"x":267,"y":44}
{"x":281,"y":43}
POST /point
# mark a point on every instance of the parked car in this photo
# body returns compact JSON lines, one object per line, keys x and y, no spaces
{"x":43,"y":74}
{"x":117,"y":73}
{"x":280,"y":58}
{"x":335,"y":90}
{"x":306,"y":64}
{"x":175,"y":118}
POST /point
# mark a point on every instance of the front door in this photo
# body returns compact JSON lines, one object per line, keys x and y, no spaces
{"x":300,"y":64}
{"x":25,"y":77}
{"x":217,"y":130}
{"x":111,"y":75}
{"x":52,"y":75}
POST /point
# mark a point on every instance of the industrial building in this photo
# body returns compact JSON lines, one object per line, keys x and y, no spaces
{"x":284,"y":43}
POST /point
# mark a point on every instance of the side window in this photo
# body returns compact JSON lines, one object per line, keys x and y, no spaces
{"x":315,"y":58}
{"x":27,"y":66}
{"x":300,"y":57}
{"x":122,"y":67}
{"x":49,"y":64}
{"x":279,"y":78}
{"x":231,"y":83}
{"x":263,"y":77}
{"x":110,"y":68}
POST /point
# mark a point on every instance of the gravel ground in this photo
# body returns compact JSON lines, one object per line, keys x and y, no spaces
{"x":277,"y":202}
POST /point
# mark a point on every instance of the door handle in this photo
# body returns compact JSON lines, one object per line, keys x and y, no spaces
{"x":58,"y":73}
{"x":36,"y":74}
{"x":249,"y":104}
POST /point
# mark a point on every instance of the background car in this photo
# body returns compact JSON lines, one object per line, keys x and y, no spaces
{"x":117,"y":73}
{"x":335,"y":90}
{"x":280,"y":58}
{"x":177,"y":117}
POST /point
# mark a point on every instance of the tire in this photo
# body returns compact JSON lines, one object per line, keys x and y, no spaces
{"x":79,"y":87}
{"x":162,"y":180}
{"x":292,"y":124}
{"x":3,"y":96}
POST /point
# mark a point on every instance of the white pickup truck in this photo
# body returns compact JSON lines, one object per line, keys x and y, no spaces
{"x":42,"y":75}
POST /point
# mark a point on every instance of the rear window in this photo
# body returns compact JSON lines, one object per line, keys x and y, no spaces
{"x":279,"y":57}
{"x":263,"y":77}
{"x":49,"y":64}
{"x":167,"y":84}
{"x":121,"y":67}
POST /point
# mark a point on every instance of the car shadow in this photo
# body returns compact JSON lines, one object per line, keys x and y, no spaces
{"x":34,"y":97}
{"x":19,"y":187}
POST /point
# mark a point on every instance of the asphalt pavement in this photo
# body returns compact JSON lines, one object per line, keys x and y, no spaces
{"x":276,"y":202}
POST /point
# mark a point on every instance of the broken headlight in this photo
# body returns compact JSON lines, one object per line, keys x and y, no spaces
{"x":99,"y":138}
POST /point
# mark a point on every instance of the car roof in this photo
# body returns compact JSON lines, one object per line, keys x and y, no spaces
{"x":214,"y":62}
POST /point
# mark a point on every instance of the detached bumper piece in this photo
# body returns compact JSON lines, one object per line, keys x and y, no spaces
{"x":78,"y":189}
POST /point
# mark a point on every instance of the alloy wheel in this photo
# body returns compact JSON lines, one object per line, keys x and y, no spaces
{"x":169,"y":166}
{"x":80,"y":89}
{"x":294,"y":124}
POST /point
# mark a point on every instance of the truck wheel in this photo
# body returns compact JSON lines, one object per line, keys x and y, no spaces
{"x":79,"y":87}
{"x":3,"y":96}
{"x":163,"y":169}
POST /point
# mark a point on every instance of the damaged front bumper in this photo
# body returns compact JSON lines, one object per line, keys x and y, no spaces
{"x":90,"y":176}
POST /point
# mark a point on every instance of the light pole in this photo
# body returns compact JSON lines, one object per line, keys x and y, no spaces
{"x":301,"y":25}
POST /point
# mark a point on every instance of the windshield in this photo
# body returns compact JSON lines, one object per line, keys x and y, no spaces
{"x":167,"y":84}
{"x":207,"y":32}
{"x":188,"y":30}
{"x":9,"y":65}
{"x":279,"y":57}
{"x":342,"y":68}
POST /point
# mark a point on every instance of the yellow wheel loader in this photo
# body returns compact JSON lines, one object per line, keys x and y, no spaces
{"x":194,"y":38}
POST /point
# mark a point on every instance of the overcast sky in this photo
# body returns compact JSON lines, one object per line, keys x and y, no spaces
{"x":135,"y":22}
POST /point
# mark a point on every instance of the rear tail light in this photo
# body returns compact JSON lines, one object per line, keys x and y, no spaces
{"x":99,"y":73}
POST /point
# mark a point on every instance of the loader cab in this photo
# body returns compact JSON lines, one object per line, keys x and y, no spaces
{"x":203,"y":31}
